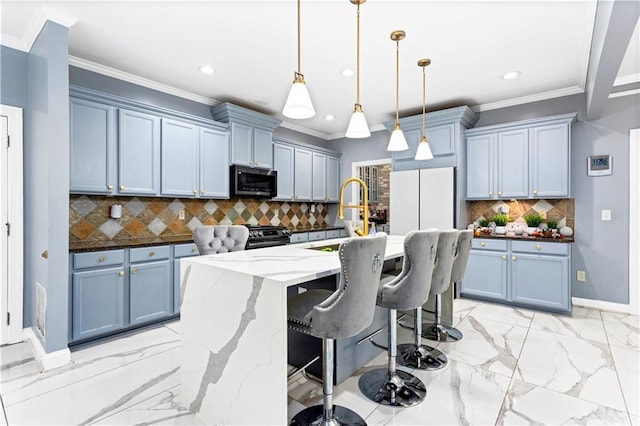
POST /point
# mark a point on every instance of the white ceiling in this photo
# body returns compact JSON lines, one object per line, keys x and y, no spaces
{"x":252,"y":46}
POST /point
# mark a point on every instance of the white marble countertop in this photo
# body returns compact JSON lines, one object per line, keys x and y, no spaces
{"x":290,"y":264}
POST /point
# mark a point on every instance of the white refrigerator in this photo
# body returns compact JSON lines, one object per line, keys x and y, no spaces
{"x":421,"y":199}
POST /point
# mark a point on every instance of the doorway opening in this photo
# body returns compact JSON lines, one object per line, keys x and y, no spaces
{"x":11,"y":225}
{"x":375,"y":173}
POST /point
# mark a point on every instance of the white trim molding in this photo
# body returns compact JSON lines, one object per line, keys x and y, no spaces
{"x":634,"y":226}
{"x":40,"y":17}
{"x":626,"y":79}
{"x":567,"y":91}
{"x":48,"y":361}
{"x":601,"y":304}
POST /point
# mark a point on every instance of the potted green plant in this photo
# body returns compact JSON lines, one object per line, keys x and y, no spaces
{"x":483,"y":223}
{"x":552,"y":224}
{"x":533,"y":222}
{"x":501,"y":221}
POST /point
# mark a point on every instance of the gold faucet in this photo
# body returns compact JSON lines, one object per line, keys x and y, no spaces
{"x":365,"y":205}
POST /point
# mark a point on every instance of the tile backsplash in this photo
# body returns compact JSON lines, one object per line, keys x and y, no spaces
{"x":145,"y":217}
{"x":561,"y":210}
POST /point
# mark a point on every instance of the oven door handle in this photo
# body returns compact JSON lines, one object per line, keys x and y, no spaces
{"x":262,"y":244}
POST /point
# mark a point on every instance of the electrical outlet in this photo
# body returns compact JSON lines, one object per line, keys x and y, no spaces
{"x":313,"y":208}
{"x":181,"y":214}
{"x":605,"y":215}
{"x":276,"y":212}
{"x":581,"y":276}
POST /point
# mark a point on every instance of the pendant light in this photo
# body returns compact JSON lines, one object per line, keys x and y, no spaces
{"x":424,"y":152}
{"x":358,"y":127}
{"x":397,"y":141}
{"x":298,"y":105}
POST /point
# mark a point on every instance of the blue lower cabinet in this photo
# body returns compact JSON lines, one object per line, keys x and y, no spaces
{"x":180,"y":251}
{"x":540,"y":281}
{"x":98,"y":302}
{"x":486,"y":275}
{"x":150,"y":291}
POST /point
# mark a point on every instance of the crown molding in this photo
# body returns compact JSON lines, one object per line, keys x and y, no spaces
{"x":626,"y":79}
{"x":140,"y":81}
{"x":13,"y":43}
{"x":306,"y":131}
{"x":567,"y":91}
{"x":625,"y":93}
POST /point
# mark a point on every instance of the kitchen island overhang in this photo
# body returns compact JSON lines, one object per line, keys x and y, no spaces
{"x":234,"y":328}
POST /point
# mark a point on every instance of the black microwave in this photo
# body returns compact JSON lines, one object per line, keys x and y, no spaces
{"x":253,"y":182}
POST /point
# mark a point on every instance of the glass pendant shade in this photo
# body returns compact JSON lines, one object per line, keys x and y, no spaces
{"x":397,"y":142}
{"x":358,"y":127}
{"x":298,"y":105}
{"x":423,"y":152}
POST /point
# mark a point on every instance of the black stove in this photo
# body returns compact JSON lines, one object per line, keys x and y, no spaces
{"x":267,"y":236}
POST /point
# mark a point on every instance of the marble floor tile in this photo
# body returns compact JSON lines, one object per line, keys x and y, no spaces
{"x":576,"y":367}
{"x":462,"y":308}
{"x":99,"y":396}
{"x":526,"y":404}
{"x":161,"y":409}
{"x":89,"y":362}
{"x":583,"y":322}
{"x":627,"y":363}
{"x":635,"y":420}
{"x":458,"y":394}
{"x":622,"y":329}
{"x":17,"y":360}
{"x":488,"y":344}
{"x":494,"y":312}
{"x":626,"y":358}
{"x":173,"y":325}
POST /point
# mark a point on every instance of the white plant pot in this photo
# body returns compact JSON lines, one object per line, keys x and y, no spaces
{"x":501,"y":230}
{"x":531,"y":229}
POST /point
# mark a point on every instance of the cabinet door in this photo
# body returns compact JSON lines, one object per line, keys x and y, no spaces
{"x":486,"y":275}
{"x":92,"y":147}
{"x":262,"y":148}
{"x":441,"y":140}
{"x":540,"y":281}
{"x":179,"y":169}
{"x":138,"y":153}
{"x":284,"y":165}
{"x":150,"y":291}
{"x":214,"y":164}
{"x":333,"y":179}
{"x":177,"y":291}
{"x":549,"y":161}
{"x":98,"y":302}
{"x":319,"y":179}
{"x":512,"y":171}
{"x":302,"y":175}
{"x":241,"y":144}
{"x":480,"y":165}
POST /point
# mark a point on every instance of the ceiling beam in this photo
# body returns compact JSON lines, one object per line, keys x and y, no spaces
{"x":614,"y":24}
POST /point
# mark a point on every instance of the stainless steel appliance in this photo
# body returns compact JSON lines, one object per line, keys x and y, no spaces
{"x":267,"y":236}
{"x":253,"y":182}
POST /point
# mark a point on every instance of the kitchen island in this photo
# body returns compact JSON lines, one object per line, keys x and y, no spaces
{"x":234,"y":328}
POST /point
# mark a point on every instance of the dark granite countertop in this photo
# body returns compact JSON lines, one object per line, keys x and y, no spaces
{"x":82,"y":246}
{"x":559,"y":239}
{"x":311,"y":228}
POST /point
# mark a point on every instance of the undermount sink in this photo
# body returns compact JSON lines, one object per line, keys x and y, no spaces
{"x":330,"y":248}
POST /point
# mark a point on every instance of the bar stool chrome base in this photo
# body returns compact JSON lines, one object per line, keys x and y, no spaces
{"x":314,"y":416}
{"x":422,"y":357}
{"x":441,"y":333}
{"x":399,"y":389}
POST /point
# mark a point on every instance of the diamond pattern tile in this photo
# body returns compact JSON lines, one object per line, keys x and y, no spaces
{"x":211,"y":207}
{"x":135,"y":206}
{"x":110,"y":228}
{"x":157,"y":226}
{"x":193,"y":224}
{"x":176,"y":206}
{"x":83,"y":205}
{"x":83,"y":229}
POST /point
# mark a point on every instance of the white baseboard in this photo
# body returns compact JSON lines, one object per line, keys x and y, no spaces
{"x":51,"y":360}
{"x":600,"y":304}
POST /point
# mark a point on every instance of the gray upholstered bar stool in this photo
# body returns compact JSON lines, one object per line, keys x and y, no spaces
{"x":438,"y":331}
{"x":220,"y":238}
{"x":409,"y":290}
{"x":339,"y":314}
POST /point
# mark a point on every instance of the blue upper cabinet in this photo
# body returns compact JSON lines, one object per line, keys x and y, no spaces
{"x":525,"y":159}
{"x":445,"y":133}
{"x":319,"y":180}
{"x":333,"y":179}
{"x":138,"y":153}
{"x":179,"y":159}
{"x":302,"y":175}
{"x":283,"y":163}
{"x":214,"y":164}
{"x":250,"y":133}
{"x":92,"y":148}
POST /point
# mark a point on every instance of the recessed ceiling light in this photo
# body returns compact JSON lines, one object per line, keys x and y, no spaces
{"x":207,"y":69}
{"x":511,"y":75}
{"x":329,"y":117}
{"x":347,"y":72}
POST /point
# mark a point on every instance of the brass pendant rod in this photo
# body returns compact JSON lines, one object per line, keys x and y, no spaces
{"x":424,"y":101}
{"x":397,"y":80}
{"x":358,"y":56}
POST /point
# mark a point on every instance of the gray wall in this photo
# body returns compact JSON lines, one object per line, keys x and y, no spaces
{"x":13,"y":81}
{"x":46,"y":184}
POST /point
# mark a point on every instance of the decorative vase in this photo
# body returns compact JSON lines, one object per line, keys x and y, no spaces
{"x":501,"y":230}
{"x":566,"y":231}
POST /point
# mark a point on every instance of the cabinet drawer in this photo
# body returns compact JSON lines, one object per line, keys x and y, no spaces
{"x":486,"y":244}
{"x":184,"y":250}
{"x":317,"y":235}
{"x":98,"y":259}
{"x":334,"y":233}
{"x":535,"y":247}
{"x":302,"y":237}
{"x":149,"y":253}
